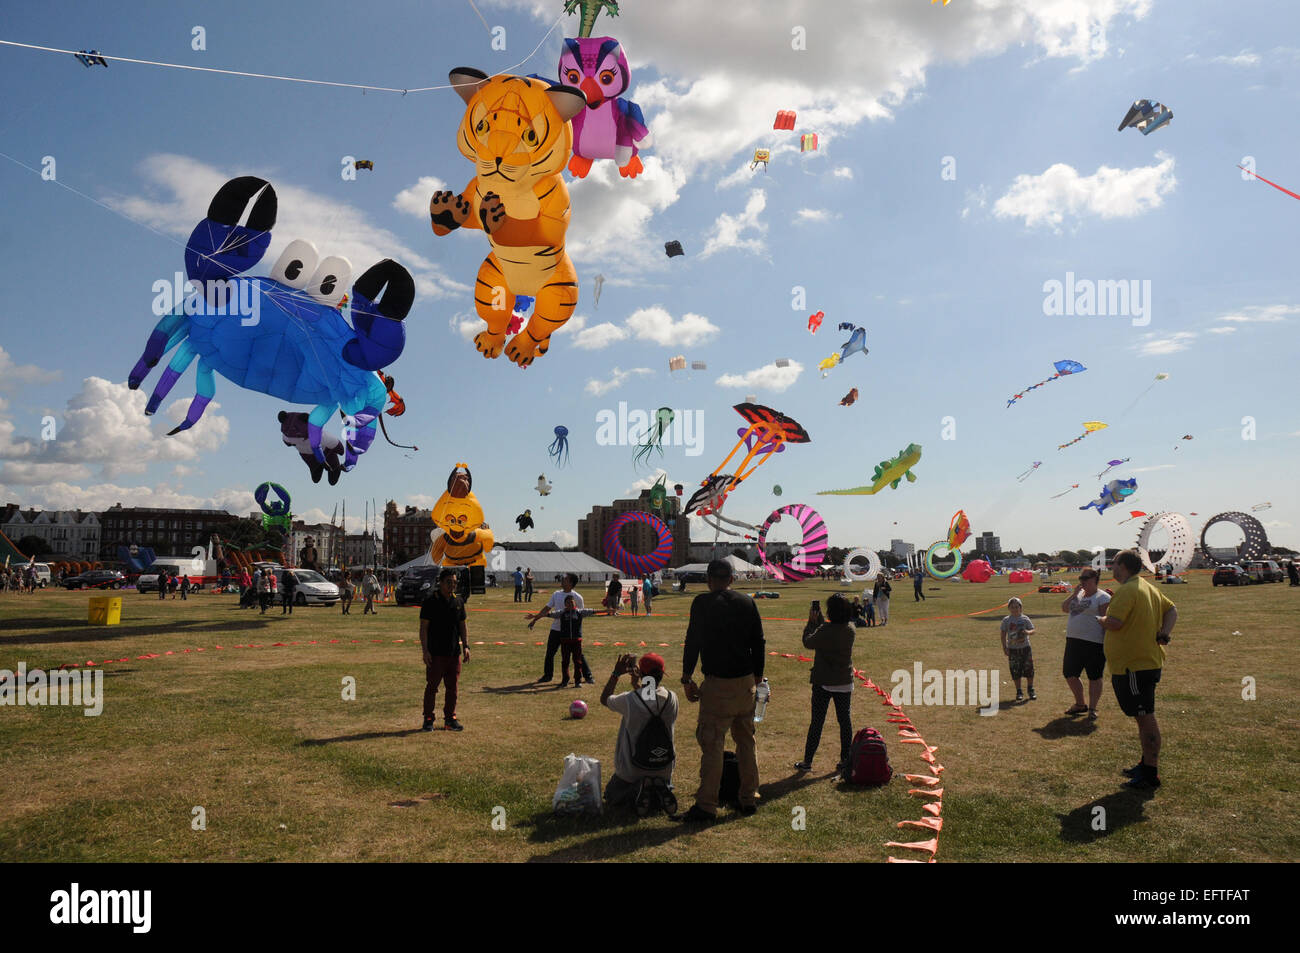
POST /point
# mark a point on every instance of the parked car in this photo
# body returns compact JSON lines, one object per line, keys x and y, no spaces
{"x":1264,"y":570}
{"x":416,"y":585}
{"x":43,"y":577}
{"x":148,"y":581}
{"x":313,"y":588}
{"x":96,"y":579}
{"x":1230,"y":575}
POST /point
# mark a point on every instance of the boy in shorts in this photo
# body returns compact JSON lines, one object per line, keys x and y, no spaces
{"x":1016,"y":629}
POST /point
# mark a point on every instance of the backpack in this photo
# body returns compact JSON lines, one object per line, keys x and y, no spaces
{"x":729,"y":789}
{"x":653,"y":748}
{"x":868,"y":760}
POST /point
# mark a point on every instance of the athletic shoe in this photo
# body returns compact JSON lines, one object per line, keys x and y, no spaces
{"x":454,"y":725}
{"x":545,"y":678}
{"x":1141,"y":783}
{"x":1134,"y":772}
{"x":645,"y":799}
{"x":667,"y":800}
{"x":1033,"y":695}
{"x":803,"y":765}
{"x":749,"y":810}
{"x":1020,"y":696}
{"x":428,"y":725}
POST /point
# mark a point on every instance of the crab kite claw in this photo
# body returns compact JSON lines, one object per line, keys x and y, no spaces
{"x":219,"y":246}
{"x":381,"y":298}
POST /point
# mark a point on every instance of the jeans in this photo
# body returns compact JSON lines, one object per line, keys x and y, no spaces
{"x":552,"y":646}
{"x":821,"y":700}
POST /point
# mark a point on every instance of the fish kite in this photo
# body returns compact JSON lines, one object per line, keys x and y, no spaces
{"x":857,"y":340}
{"x":1090,"y":426}
{"x":1260,"y":506}
{"x":1025,"y":476}
{"x":1063,"y":369}
{"x":1111,"y":465}
{"x":887,"y":473}
{"x":1112,"y":493}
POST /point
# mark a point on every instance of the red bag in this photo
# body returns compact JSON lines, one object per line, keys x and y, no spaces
{"x":868,"y":760}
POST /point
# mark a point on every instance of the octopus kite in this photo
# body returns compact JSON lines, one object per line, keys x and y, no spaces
{"x":653,"y":438}
{"x":559,"y":447}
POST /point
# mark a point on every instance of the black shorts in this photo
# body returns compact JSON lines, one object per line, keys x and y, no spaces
{"x":1136,"y":691}
{"x":1080,"y":654}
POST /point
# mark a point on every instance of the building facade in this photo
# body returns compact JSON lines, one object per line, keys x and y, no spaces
{"x":406,"y":534}
{"x":988,"y":544}
{"x":68,"y":534}
{"x":901,"y":549}
{"x":635,"y":537}
{"x":169,"y":532}
{"x":322,"y":536}
{"x":362,"y":550}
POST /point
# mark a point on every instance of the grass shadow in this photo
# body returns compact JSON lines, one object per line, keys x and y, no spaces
{"x":363,"y":736}
{"x":779,"y":789}
{"x":98,"y":633}
{"x":531,"y":688}
{"x":620,"y":842}
{"x":1066,"y":726}
{"x":1121,"y":809}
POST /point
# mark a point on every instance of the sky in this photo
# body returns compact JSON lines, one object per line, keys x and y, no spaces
{"x":967,"y":157}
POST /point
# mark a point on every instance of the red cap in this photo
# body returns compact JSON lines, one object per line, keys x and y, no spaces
{"x":651,"y":663}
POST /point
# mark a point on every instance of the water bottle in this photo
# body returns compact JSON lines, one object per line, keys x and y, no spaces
{"x":761,"y":695}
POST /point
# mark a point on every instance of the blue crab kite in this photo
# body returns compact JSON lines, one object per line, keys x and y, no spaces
{"x":284,"y":335}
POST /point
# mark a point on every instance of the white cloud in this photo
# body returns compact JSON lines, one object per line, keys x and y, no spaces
{"x":101,"y":496}
{"x":842,"y":172}
{"x":815,"y":215}
{"x":657,"y":325}
{"x":335,"y":228}
{"x":1244,"y":58}
{"x":611,"y":212}
{"x":1108,"y":193}
{"x":977,"y":198}
{"x":563,"y":538}
{"x":466,"y":324}
{"x":11,"y":373}
{"x":599,"y":336}
{"x":414,"y":200}
{"x":1152,"y":345}
{"x":769,"y":377}
{"x":1269,"y":314}
{"x":729,"y":230}
{"x":104,"y":426}
{"x":646,"y":483}
{"x":1163,"y":466}
{"x":1222,"y":330}
{"x":619,"y":377}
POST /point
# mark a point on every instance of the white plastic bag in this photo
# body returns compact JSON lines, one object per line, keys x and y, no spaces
{"x":579,"y":789}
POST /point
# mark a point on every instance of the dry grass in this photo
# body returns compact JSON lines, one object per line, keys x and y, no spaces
{"x":285,"y":769}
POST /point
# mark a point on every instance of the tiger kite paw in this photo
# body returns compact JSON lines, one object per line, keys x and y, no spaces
{"x":489,"y":344}
{"x":447,"y":212}
{"x":522,"y":349}
{"x":491,"y":213}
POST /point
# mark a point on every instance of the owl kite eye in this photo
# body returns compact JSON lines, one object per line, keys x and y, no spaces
{"x":572,"y":76}
{"x":606,"y":77}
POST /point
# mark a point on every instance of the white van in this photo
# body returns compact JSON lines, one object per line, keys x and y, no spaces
{"x":43,"y":577}
{"x":148,"y":581}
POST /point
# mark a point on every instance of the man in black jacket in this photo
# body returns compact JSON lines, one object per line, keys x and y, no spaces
{"x":725,"y":636}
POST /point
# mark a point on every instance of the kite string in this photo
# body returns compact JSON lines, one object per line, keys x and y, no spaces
{"x":283,"y":79}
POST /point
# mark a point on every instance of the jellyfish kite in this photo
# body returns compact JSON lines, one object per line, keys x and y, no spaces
{"x":1028,"y":473}
{"x":857,"y":340}
{"x":559,"y":448}
{"x":1091,"y":426}
{"x":653,"y":438}
{"x":1063,"y":369}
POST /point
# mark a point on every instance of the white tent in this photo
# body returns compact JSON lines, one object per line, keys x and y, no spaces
{"x":738,"y":566}
{"x":546,"y":565}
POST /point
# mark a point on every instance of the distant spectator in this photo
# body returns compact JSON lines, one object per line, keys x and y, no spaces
{"x":346,"y":590}
{"x":633,"y":594}
{"x":185,"y":587}
{"x":648,"y":587}
{"x":519,"y":584}
{"x":1016,"y":629}
{"x":880,"y":596}
{"x":528,"y":586}
{"x":287,"y":591}
{"x":265,"y":582}
{"x":614,"y":594}
{"x":918,"y":578}
{"x":370,"y":589}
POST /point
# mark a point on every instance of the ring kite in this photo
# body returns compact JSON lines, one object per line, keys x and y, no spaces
{"x":1182,"y":545}
{"x":1255,"y":546}
{"x":872,"y":570}
{"x":811,"y":551}
{"x":630,"y":563}
{"x":934,"y":551}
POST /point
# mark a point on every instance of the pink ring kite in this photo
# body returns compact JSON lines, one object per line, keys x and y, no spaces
{"x":812,"y":549}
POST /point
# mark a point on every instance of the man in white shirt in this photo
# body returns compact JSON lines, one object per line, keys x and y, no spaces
{"x":556,"y":606}
{"x":1084,"y":640}
{"x":643,"y":766}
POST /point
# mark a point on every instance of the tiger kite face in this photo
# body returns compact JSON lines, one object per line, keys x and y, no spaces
{"x":515,"y":129}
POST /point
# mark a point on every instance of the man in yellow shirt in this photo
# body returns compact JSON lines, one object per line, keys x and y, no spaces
{"x":1138,"y":622}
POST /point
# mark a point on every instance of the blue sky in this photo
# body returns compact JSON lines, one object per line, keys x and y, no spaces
{"x":947,"y":275}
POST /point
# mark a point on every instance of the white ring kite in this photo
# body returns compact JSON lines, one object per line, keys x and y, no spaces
{"x":872,"y":570}
{"x":1182,"y":544}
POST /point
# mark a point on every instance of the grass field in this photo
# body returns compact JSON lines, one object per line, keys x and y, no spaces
{"x":259,"y":736}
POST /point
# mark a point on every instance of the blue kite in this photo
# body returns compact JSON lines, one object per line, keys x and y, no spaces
{"x":1113,"y":492}
{"x":1063,"y":369}
{"x":857,"y":340}
{"x":285,"y":334}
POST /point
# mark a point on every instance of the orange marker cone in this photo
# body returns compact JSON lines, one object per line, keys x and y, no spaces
{"x":895,"y":860}
{"x":926,"y":823}
{"x":922,"y":778}
{"x":933,"y":808}
{"x":921,"y":792}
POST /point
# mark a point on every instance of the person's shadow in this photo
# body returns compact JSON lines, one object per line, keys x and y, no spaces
{"x":1093,"y":821}
{"x":1066,"y":726}
{"x":363,"y":736}
{"x":531,"y":687}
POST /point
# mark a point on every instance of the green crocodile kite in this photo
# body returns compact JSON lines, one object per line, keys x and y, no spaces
{"x":889,"y":472}
{"x":590,"y":10}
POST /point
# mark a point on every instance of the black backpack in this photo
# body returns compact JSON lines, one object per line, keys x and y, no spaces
{"x":653,"y":748}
